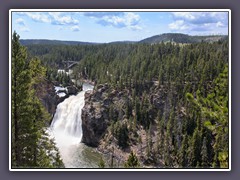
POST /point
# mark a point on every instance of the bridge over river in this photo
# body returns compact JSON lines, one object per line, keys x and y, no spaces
{"x":70,"y":64}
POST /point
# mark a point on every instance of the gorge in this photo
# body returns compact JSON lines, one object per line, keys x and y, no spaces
{"x":158,"y":105}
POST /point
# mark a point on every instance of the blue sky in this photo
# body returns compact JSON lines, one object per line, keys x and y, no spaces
{"x":115,"y":26}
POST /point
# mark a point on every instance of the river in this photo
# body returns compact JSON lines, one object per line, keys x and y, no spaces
{"x":66,"y":129}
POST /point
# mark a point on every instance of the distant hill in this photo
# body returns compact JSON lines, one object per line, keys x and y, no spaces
{"x":58,"y":42}
{"x":52,"y":42}
{"x":123,"y":42}
{"x":181,"y":38}
{"x":167,"y":37}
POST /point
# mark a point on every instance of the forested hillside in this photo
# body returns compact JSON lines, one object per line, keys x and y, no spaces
{"x":166,"y":37}
{"x":182,"y":38}
{"x":162,"y":104}
{"x":31,"y":145}
{"x":171,"y":99}
{"x":51,"y":42}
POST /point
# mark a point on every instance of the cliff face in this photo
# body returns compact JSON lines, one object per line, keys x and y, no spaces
{"x":46,"y":92}
{"x":108,"y":119}
{"x":95,"y":119}
{"x":96,"y":115}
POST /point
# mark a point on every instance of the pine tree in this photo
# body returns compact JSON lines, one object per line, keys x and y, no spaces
{"x":162,"y":136}
{"x":159,"y":134}
{"x":149,"y":142}
{"x":132,"y":161}
{"x":195,"y":149}
{"x":204,"y":154}
{"x":101,"y":163}
{"x":29,"y":140}
{"x":183,"y":159}
{"x":215,"y":110}
{"x":20,"y":96}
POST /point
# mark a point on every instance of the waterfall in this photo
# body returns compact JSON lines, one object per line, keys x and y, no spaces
{"x":66,"y":126}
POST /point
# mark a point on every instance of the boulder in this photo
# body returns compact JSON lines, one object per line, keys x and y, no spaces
{"x":72,"y":90}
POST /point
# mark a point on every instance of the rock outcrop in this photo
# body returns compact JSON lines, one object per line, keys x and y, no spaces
{"x":72,"y":90}
{"x":95,"y":119}
{"x":108,"y":119}
{"x":50,"y":99}
{"x":107,"y":105}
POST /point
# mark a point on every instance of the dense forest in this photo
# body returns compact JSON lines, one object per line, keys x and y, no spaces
{"x":177,"y":94}
{"x":31,"y":145}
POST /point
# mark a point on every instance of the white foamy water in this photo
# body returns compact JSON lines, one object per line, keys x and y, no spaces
{"x":66,"y":128}
{"x":67,"y":121}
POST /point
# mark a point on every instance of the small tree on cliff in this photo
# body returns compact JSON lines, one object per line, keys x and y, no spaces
{"x":132,"y":161}
{"x":101,"y":163}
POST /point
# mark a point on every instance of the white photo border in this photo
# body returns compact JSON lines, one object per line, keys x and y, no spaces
{"x":121,"y":10}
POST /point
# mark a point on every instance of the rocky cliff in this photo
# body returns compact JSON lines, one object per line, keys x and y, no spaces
{"x":95,"y":119}
{"x":50,"y":98}
{"x":108,"y":119}
{"x":102,"y":106}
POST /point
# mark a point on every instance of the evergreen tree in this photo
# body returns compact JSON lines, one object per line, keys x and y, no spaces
{"x":132,"y":161}
{"x":29,"y":141}
{"x":195,"y":149}
{"x":101,"y":163}
{"x":204,"y":154}
{"x":215,"y":109}
{"x":20,"y":85}
{"x":183,"y":159}
{"x":149,"y":142}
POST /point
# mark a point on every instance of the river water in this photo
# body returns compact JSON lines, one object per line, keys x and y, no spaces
{"x":66,"y":129}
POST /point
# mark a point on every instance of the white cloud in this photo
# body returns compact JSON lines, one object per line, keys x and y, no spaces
{"x":21,"y":25}
{"x":75,"y":28}
{"x":37,"y":16}
{"x":58,"y":18}
{"x":20,"y":21}
{"x":136,"y":27}
{"x":116,"y":19}
{"x":184,"y":15}
{"x":128,"y":20}
{"x":102,"y":14}
{"x":24,"y":29}
{"x":55,"y":18}
{"x":178,"y":25}
{"x":201,"y":17}
{"x":220,"y":24}
{"x":199,"y":21}
{"x":132,"y":19}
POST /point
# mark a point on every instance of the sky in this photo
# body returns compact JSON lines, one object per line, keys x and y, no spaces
{"x":112,"y":26}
